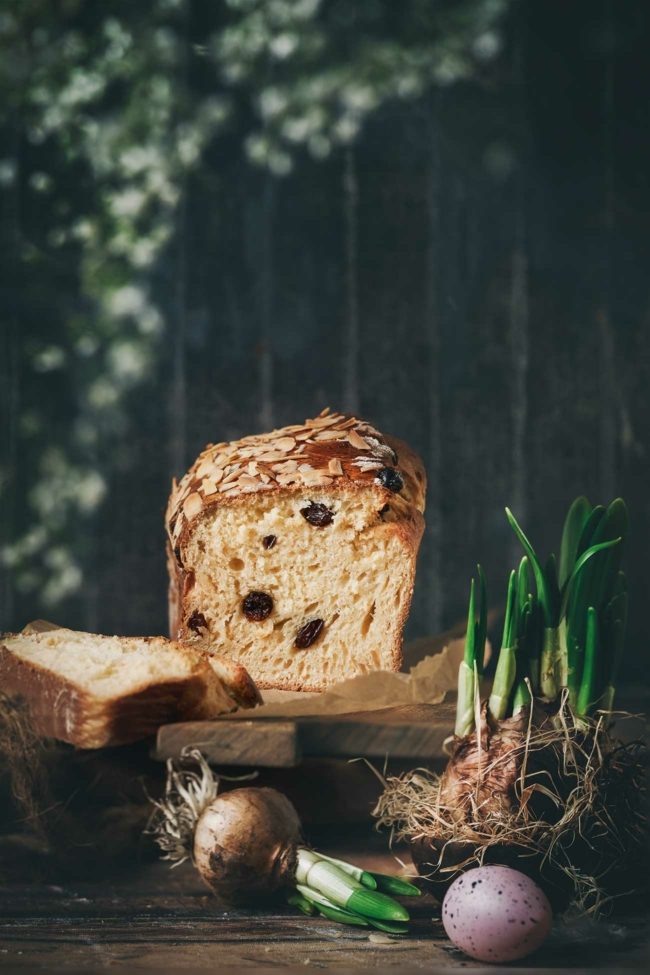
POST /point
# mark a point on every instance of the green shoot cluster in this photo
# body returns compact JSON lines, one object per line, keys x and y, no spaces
{"x":564,"y":623}
{"x":342,"y":892}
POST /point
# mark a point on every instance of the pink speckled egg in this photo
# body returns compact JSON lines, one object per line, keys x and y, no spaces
{"x":496,"y":914}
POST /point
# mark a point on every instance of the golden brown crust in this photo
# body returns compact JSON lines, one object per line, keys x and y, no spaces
{"x":331,"y":450}
{"x":60,"y":708}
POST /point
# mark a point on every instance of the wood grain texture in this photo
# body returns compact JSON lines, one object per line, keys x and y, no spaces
{"x":163,"y":920}
{"x":408,"y":732}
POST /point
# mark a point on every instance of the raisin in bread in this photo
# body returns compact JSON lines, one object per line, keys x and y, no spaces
{"x":93,"y":691}
{"x":293,"y":552}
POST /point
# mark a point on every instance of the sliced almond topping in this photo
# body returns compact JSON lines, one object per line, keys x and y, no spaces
{"x":264,"y":477}
{"x":357,"y":441}
{"x":192,"y":505}
{"x":316,"y":479}
{"x":325,"y":411}
{"x":285,"y":444}
{"x":288,"y":467}
{"x":231,"y":475}
{"x":286,"y":479}
{"x":334,"y":466}
{"x":252,"y":468}
{"x":246,"y":480}
{"x":304,"y":434}
{"x":305,"y":468}
{"x":329,"y":435}
{"x":270,"y":455}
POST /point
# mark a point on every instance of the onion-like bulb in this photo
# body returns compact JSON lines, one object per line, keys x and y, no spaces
{"x":245,"y":844}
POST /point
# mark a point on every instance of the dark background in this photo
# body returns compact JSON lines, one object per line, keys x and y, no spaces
{"x":219,"y":218}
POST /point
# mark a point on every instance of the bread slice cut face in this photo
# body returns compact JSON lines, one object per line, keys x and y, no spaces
{"x":294,"y":552}
{"x":93,"y":691}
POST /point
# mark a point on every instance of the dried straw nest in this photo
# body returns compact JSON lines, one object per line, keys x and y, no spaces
{"x":554,"y":796}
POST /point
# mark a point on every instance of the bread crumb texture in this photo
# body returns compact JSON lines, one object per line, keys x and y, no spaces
{"x":294,"y":552}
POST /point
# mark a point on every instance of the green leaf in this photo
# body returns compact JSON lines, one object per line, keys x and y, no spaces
{"x":297,"y":900}
{"x":523,"y":585}
{"x":582,"y":561}
{"x":396,"y":885}
{"x":575,"y":521}
{"x":465,"y":721}
{"x":481,"y":626}
{"x":353,"y":871}
{"x":586,"y":694}
{"x":373,"y":904}
{"x":590,"y":528}
{"x":343,"y":917}
{"x":538,"y":571}
{"x":470,"y":635}
{"x":388,"y":927}
{"x":521,"y":697}
{"x":506,"y":665}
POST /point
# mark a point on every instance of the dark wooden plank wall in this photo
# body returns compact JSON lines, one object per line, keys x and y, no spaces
{"x":471,"y":275}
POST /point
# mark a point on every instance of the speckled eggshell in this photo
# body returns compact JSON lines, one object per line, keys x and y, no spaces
{"x":496,"y":914}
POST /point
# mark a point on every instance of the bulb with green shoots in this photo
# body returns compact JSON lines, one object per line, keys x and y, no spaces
{"x":533,"y":771}
{"x":247,"y":846}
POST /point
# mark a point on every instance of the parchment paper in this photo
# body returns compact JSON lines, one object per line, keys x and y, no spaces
{"x":428,"y":682}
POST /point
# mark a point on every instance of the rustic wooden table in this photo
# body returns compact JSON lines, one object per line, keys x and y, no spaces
{"x":164,"y":921}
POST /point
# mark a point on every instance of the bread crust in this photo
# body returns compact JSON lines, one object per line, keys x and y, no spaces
{"x":334,"y":451}
{"x":60,"y":708}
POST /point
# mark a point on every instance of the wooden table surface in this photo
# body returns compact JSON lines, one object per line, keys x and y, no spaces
{"x":164,"y":920}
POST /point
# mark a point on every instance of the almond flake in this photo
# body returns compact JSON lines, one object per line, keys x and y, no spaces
{"x":247,"y":479}
{"x":286,"y":479}
{"x":286,"y":467}
{"x":192,"y":505}
{"x":334,"y":466}
{"x":285,"y":444}
{"x":325,"y":411}
{"x":329,"y":435}
{"x":231,"y":476}
{"x":305,"y":468}
{"x":316,"y":479}
{"x":304,"y":435}
{"x":357,"y":441}
{"x":252,"y":468}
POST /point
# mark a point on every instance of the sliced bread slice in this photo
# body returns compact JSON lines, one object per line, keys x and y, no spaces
{"x":94,"y":691}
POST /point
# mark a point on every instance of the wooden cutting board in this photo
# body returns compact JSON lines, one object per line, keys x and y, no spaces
{"x":415,"y":732}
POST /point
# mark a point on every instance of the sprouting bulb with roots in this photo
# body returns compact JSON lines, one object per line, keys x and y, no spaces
{"x":247,"y":847}
{"x":243,"y":843}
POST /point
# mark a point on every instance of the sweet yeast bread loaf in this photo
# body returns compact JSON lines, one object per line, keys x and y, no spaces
{"x":293,"y":552}
{"x":93,"y":691}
